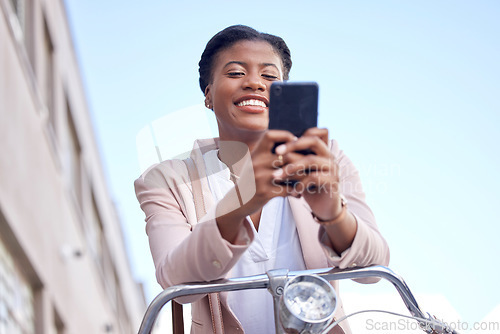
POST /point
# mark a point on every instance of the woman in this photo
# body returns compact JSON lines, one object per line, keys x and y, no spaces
{"x":247,"y":221}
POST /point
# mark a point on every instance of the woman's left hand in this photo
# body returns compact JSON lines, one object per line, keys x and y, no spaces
{"x":316,"y":175}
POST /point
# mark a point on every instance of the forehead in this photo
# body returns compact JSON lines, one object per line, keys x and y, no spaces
{"x":250,"y":52}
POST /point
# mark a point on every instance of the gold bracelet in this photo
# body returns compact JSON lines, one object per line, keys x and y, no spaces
{"x":337,"y":219}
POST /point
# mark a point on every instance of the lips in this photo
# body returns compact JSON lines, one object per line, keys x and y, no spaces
{"x":252,"y":103}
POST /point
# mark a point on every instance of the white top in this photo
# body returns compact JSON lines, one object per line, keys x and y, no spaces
{"x":276,"y":245}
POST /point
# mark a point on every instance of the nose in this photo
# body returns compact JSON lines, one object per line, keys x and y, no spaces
{"x":254,"y":83}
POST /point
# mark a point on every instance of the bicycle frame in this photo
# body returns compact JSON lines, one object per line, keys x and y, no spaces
{"x":275,"y":280}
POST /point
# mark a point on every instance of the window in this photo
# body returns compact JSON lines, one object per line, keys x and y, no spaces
{"x":28,"y":32}
{"x":19,"y":9}
{"x":47,"y":80}
{"x":58,"y":325}
{"x":21,"y":19}
{"x":23,"y":26}
{"x":99,"y":249}
{"x":95,"y":235}
{"x":16,"y":297}
{"x":122,"y":316}
{"x":73,"y":156}
{"x":108,"y":272}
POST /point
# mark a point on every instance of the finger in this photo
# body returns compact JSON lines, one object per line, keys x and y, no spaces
{"x":279,"y":187}
{"x":287,"y":188}
{"x":313,"y":184}
{"x":299,"y":158}
{"x":307,"y":182}
{"x":312,"y":143}
{"x":310,"y":163}
{"x":266,"y":186}
{"x":320,"y":178}
{"x":317,"y":132}
{"x":262,"y":157}
{"x":312,"y":171}
{"x":278,"y":161}
{"x":299,"y":172}
{"x":273,"y":160}
{"x":272,"y":137}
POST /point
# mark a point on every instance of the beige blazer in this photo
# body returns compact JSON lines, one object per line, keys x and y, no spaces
{"x":187,"y":250}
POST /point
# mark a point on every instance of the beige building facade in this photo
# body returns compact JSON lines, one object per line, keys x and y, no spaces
{"x":63,"y":263}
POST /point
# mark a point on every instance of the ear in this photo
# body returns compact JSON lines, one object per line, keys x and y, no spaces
{"x":208,"y":98}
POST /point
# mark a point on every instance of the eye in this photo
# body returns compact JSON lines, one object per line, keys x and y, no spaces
{"x":235,"y":74}
{"x":270,"y":76}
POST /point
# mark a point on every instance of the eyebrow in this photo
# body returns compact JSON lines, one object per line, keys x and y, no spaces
{"x":243,"y":64}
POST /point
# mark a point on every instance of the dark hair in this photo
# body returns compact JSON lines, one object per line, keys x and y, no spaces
{"x":229,"y":36}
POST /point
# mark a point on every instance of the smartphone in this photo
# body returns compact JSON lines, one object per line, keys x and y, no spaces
{"x":293,"y":106}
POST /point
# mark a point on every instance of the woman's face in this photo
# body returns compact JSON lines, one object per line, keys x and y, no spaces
{"x":239,"y":91}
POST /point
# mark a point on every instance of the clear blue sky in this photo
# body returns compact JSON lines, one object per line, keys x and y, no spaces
{"x":410,"y":89}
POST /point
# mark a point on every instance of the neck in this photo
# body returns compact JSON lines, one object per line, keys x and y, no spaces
{"x":232,"y":151}
{"x":249,"y":140}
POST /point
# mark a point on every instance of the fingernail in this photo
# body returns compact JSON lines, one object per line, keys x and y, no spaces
{"x":281,"y":149}
{"x":278,"y":173}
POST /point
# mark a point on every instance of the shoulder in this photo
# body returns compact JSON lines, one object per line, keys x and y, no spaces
{"x":176,"y":168}
{"x":345,"y":164}
{"x":338,"y":154}
{"x":166,"y":174}
{"x":333,"y":145}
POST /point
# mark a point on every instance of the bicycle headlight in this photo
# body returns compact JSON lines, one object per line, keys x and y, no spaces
{"x":307,"y":305}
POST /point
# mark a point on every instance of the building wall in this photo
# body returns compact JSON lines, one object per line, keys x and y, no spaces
{"x":63,"y":264}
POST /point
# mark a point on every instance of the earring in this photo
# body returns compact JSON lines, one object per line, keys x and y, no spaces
{"x":207,"y":105}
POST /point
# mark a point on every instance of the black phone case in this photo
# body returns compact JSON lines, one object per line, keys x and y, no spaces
{"x":293,"y":106}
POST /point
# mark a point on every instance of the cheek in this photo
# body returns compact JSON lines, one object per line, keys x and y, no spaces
{"x":222,"y":95}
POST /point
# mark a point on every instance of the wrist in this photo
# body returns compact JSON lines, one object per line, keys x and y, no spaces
{"x":336,"y":219}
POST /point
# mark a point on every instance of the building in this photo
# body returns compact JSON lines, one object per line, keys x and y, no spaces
{"x":63,"y":263}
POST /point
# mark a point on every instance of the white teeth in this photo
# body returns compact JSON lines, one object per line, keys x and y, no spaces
{"x":252,"y":102}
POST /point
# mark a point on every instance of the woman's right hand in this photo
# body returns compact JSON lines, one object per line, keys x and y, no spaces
{"x":255,"y":184}
{"x":265,"y":164}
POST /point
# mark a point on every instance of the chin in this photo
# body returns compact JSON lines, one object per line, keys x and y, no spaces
{"x":257,"y":127}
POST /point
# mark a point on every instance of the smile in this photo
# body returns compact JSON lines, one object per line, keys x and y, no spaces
{"x":252,"y":102}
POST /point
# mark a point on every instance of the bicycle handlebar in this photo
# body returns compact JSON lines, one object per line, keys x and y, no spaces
{"x":263,"y":281}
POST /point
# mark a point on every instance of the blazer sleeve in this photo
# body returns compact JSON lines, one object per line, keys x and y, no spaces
{"x":183,"y":249}
{"x":368,"y":247}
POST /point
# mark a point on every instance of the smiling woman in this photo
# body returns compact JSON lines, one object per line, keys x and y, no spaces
{"x":238,"y":91}
{"x":225,"y":212}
